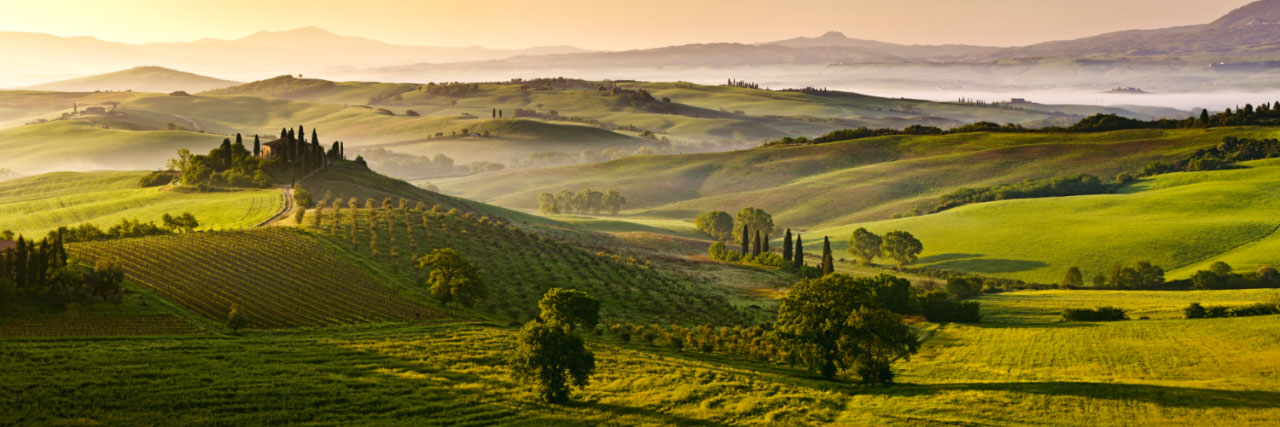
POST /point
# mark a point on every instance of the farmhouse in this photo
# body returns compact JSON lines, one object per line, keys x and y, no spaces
{"x":272,"y":149}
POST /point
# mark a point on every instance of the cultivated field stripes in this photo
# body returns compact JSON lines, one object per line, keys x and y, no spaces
{"x":278,"y":278}
{"x":88,"y":326}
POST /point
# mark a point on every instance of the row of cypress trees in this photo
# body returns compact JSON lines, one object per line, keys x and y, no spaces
{"x":796,"y":255}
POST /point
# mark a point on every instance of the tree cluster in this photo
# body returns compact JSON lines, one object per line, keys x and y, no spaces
{"x":1197,"y":311}
{"x":900,"y":246}
{"x":587,"y":201}
{"x":836,"y":323}
{"x":39,"y":274}
{"x":1100,"y":314}
{"x":1028,"y":189}
{"x":1222,"y":156}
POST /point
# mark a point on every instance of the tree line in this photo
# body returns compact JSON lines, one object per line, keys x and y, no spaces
{"x":586,"y":201}
{"x":1266,"y":114}
{"x":36,"y":275}
{"x":232,"y":164}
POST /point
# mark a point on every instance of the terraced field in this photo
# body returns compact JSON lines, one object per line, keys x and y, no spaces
{"x":36,"y":205}
{"x":277,"y":277}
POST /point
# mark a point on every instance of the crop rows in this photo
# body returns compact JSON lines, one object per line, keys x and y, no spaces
{"x":519,"y":266}
{"x":278,"y":278}
{"x":44,"y":326}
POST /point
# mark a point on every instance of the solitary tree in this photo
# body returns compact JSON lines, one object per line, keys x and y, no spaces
{"x":786,"y":246}
{"x":798,"y":256}
{"x":1204,"y":118}
{"x":717,"y":224}
{"x":864,"y":245}
{"x":569,"y":307}
{"x":837,"y":323}
{"x":236,"y":319}
{"x":1073,"y":278}
{"x":828,"y":264}
{"x":452,"y":277}
{"x":902,"y":247}
{"x":552,"y":358}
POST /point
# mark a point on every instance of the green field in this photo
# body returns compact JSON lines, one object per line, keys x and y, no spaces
{"x":75,"y":145}
{"x":1016,"y":370}
{"x":36,"y":205}
{"x":1180,"y":221}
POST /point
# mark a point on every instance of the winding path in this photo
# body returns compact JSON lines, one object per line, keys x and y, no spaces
{"x":287,"y":191}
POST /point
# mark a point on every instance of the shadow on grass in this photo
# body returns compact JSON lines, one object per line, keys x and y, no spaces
{"x":1183,"y":397}
{"x":947,"y":257}
{"x":987,"y":265}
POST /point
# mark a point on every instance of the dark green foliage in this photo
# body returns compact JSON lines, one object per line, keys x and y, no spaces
{"x":828,"y":264}
{"x":452,"y":278}
{"x":1073,"y":278}
{"x":186,"y":222}
{"x":746,"y":242}
{"x":754,"y":219}
{"x":757,"y":245}
{"x":1100,"y":314}
{"x":902,"y":247}
{"x":717,"y":224}
{"x":1141,"y":275}
{"x":156,"y":179}
{"x":837,"y":323}
{"x":587,"y":201}
{"x":938,"y":307}
{"x":1197,"y":311}
{"x":569,"y":307}
{"x":553,"y":359}
{"x":39,"y":275}
{"x":1055,"y":187}
{"x":236,"y":318}
{"x":1231,"y":150}
{"x":964,"y":287}
{"x":864,"y":245}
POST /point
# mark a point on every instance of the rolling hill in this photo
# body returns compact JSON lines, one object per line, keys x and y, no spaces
{"x":1181,"y":222}
{"x":840,"y":183}
{"x":38,"y":204}
{"x":138,"y":79}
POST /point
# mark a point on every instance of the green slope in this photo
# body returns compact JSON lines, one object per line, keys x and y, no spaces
{"x":35,"y":205}
{"x":85,"y":146}
{"x":838,"y":183}
{"x":1180,"y":221}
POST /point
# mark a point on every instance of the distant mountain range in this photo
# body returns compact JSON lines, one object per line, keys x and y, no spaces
{"x":1249,"y":35}
{"x":139,"y":79}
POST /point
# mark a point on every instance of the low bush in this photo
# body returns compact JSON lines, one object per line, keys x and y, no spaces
{"x":1100,"y":314}
{"x":1197,"y":311}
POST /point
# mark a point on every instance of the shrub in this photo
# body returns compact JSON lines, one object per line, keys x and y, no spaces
{"x":964,"y":287}
{"x":155,"y":179}
{"x":937,"y":307}
{"x":1195,"y":311}
{"x":1100,"y":314}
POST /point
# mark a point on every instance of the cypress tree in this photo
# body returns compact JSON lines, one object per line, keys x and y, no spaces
{"x":302,"y":135}
{"x":786,"y":246}
{"x":765,"y":244}
{"x":226,"y":152}
{"x":746,"y":241}
{"x":755,"y":249}
{"x":798,"y":255}
{"x":828,"y":265}
{"x":20,"y":263}
{"x":257,"y":147}
{"x":238,"y":139}
{"x":315,"y":139}
{"x":1204,"y":118}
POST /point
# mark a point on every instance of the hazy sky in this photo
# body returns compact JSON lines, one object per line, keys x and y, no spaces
{"x":608,"y":24}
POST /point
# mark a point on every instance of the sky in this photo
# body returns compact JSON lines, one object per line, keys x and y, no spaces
{"x":608,"y":24}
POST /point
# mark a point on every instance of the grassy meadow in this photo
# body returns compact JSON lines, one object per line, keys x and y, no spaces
{"x":36,"y":205}
{"x":1180,"y":221}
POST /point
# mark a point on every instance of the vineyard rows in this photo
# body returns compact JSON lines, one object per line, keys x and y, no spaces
{"x":277,"y":277}
{"x":519,"y":266}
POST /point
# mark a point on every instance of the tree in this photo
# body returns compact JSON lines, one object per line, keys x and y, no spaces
{"x":186,"y":222}
{"x":257,"y":147}
{"x":569,"y":307}
{"x":298,"y":215}
{"x":902,"y":247}
{"x":1204,"y":118}
{"x":554,"y":359}
{"x":452,"y":277}
{"x":836,"y":323}
{"x":1220,"y":267}
{"x":1073,"y":279}
{"x":717,"y":224}
{"x":786,"y":246}
{"x":613,"y":202}
{"x":547,"y":203}
{"x":864,"y":245}
{"x":236,"y":319}
{"x":755,"y":219}
{"x":746,"y":242}
{"x":797,"y":260}
{"x":303,"y":198}
{"x":756,"y":246}
{"x":828,"y":264}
